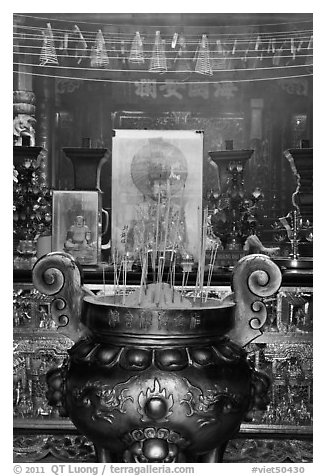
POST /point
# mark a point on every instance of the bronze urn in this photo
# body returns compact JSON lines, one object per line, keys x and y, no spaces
{"x":157,"y":383}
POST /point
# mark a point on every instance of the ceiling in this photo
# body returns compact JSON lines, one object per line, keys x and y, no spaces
{"x":178,"y":19}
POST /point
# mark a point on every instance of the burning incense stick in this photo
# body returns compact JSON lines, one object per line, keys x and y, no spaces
{"x":199,"y":252}
{"x":143,"y":276}
{"x":115,"y":272}
{"x":166,"y":232}
{"x":124,"y":266}
{"x":202,"y":254}
{"x":203,"y":249}
{"x":211,"y":267}
{"x":157,"y":231}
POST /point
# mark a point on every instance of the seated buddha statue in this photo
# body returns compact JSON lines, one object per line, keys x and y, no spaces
{"x":78,"y":235}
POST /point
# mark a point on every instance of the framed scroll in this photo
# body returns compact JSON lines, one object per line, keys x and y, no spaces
{"x":157,"y":190}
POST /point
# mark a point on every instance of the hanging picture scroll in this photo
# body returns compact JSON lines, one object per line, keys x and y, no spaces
{"x":157,"y":191}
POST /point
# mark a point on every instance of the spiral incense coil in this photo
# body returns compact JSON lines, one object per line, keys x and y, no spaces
{"x":203,"y":63}
{"x":158,"y":59}
{"x":182,"y":63}
{"x":136,"y":54}
{"x":99,"y":56}
{"x":48,"y":54}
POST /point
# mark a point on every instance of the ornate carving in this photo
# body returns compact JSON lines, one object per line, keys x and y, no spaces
{"x":57,"y":274}
{"x":153,"y":445}
{"x":103,"y":399}
{"x":297,"y":86}
{"x":203,"y":403}
{"x":259,"y":387}
{"x":56,"y":380}
{"x":195,"y":320}
{"x":268,"y":451}
{"x":23,"y":126}
{"x":163,"y":320}
{"x":181,"y":321}
{"x":169,"y":358}
{"x":262,"y":278}
{"x":114,"y":318}
{"x":31,"y":448}
{"x":145,"y":319}
{"x":136,"y":358}
{"x":128,"y":319}
{"x":155,"y":404}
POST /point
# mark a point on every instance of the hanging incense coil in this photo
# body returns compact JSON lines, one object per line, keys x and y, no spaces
{"x":99,"y":56}
{"x":136,"y":54}
{"x":203,"y":63}
{"x":182,"y":62}
{"x":48,"y":54}
{"x":80,"y":45}
{"x":158,"y":60}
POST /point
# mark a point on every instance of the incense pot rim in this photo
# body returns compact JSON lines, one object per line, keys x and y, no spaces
{"x":200,"y":306}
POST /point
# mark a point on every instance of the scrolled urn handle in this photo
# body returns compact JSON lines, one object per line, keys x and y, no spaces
{"x":57,"y":274}
{"x":254,"y":278}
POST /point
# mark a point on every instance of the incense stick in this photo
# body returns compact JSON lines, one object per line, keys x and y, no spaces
{"x":166,"y":232}
{"x":202,"y":253}
{"x":124,"y":266}
{"x":143,"y":276}
{"x":199,"y":252}
{"x":115,"y":274}
{"x":203,"y":245}
{"x":157,"y":231}
{"x":103,"y":275}
{"x":211,"y":267}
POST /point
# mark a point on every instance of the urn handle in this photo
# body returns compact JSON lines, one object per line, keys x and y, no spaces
{"x":254,"y":278}
{"x":57,"y":274}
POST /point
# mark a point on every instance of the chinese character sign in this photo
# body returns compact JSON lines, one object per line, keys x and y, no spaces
{"x":150,"y":89}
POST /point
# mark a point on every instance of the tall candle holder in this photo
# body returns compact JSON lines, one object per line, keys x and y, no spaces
{"x":298,"y":222}
{"x":301,"y":162}
{"x":87,"y":163}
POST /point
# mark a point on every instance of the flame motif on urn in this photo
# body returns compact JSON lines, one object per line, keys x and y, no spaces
{"x":162,"y":393}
